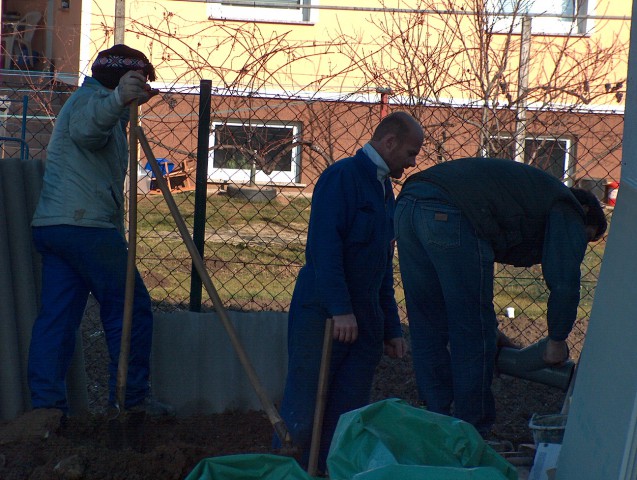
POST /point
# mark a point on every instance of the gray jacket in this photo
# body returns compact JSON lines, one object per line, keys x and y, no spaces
{"x":86,"y":164}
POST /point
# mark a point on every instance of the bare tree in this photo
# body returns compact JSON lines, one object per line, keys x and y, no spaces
{"x":460,"y":64}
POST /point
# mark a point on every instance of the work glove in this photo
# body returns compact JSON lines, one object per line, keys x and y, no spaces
{"x":132,"y":86}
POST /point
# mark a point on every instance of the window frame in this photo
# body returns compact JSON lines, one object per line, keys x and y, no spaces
{"x":543,"y":25}
{"x":270,"y":14}
{"x":242,"y":175}
{"x":568,"y":164}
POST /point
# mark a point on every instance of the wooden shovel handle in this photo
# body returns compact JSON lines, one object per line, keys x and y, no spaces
{"x":321,"y":397}
{"x":268,"y":406}
{"x":127,"y":320}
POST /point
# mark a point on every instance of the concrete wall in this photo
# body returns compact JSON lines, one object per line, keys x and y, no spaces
{"x":20,"y":282}
{"x":195,"y":368}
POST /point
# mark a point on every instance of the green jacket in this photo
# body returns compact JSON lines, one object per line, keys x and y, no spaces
{"x":508,"y":203}
{"x":86,"y":163}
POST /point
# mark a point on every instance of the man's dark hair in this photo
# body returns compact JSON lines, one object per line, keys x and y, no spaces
{"x":397,"y":123}
{"x":595,"y":214}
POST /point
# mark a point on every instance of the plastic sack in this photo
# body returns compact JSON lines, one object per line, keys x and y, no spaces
{"x":391,"y":432}
{"x":408,"y":472}
{"x":248,"y":466}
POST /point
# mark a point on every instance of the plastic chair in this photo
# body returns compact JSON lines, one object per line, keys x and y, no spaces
{"x":21,"y":36}
{"x":165,"y":165}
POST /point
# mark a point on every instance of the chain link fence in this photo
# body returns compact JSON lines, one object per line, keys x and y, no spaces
{"x":261,"y":154}
{"x":254,"y":246}
{"x":254,"y":249}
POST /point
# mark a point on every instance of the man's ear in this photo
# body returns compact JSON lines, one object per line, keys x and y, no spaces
{"x":390,"y":141}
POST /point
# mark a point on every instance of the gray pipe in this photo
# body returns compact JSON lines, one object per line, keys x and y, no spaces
{"x":527,"y":363}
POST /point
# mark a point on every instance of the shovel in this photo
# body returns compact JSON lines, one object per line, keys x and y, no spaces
{"x":321,"y":397}
{"x":126,"y":429}
{"x":273,"y":415}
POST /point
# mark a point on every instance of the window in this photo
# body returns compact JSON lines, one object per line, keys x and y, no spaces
{"x":563,"y":23}
{"x":236,"y":146}
{"x":289,"y":11}
{"x":554,"y":155}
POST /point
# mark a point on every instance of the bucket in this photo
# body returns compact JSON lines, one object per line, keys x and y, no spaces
{"x":611,"y":193}
{"x":548,"y":428}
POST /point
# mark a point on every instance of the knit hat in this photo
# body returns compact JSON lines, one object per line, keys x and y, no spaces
{"x":111,"y":65}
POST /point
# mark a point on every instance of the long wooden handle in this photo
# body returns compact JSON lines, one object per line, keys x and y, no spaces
{"x":271,"y":412}
{"x":321,"y":397}
{"x":127,"y":320}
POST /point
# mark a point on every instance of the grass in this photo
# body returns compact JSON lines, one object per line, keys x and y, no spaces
{"x":253,"y":252}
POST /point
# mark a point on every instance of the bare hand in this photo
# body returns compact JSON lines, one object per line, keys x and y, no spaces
{"x":345,"y":328}
{"x":556,"y":352}
{"x":396,"y":347}
{"x":132,"y":86}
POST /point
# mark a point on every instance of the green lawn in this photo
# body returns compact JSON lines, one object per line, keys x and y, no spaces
{"x":253,"y":252}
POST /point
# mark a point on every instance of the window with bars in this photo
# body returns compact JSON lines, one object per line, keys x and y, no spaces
{"x":551,"y":17}
{"x":269,"y":148}
{"x":284,"y":11}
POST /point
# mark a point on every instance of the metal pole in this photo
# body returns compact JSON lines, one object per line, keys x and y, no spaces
{"x":523,"y":87}
{"x":201,"y":187}
{"x":23,"y":131}
{"x":120,"y":20}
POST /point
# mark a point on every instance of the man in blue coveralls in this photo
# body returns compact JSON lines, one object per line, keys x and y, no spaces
{"x":453,"y":221}
{"x":348,"y":276}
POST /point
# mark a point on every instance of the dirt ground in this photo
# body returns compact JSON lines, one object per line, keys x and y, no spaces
{"x":86,"y":447}
{"x":170,"y":449}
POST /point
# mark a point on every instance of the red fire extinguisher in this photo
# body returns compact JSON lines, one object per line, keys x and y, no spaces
{"x":611,"y":193}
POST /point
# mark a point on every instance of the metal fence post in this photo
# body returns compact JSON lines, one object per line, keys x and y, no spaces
{"x":23,"y":131}
{"x":201,"y":188}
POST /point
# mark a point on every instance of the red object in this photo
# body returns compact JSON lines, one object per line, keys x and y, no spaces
{"x":611,"y":193}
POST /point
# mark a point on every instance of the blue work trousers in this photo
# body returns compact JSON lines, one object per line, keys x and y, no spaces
{"x":75,"y":262}
{"x":447,"y":274}
{"x":351,"y":376}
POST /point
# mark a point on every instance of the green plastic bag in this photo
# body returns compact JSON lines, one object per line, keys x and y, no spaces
{"x":391,"y":432}
{"x":407,"y":472}
{"x":248,"y":466}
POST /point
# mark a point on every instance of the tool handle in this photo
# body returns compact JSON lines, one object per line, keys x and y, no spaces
{"x":127,"y":320}
{"x":321,"y":397}
{"x":271,"y":412}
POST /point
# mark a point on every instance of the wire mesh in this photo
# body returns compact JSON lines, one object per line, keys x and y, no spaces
{"x":266,"y":151}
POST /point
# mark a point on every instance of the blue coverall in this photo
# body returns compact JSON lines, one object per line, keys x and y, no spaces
{"x":348,"y":270}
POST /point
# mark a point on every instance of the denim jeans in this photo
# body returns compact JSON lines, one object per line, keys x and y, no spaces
{"x":75,"y":262}
{"x":447,"y":274}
